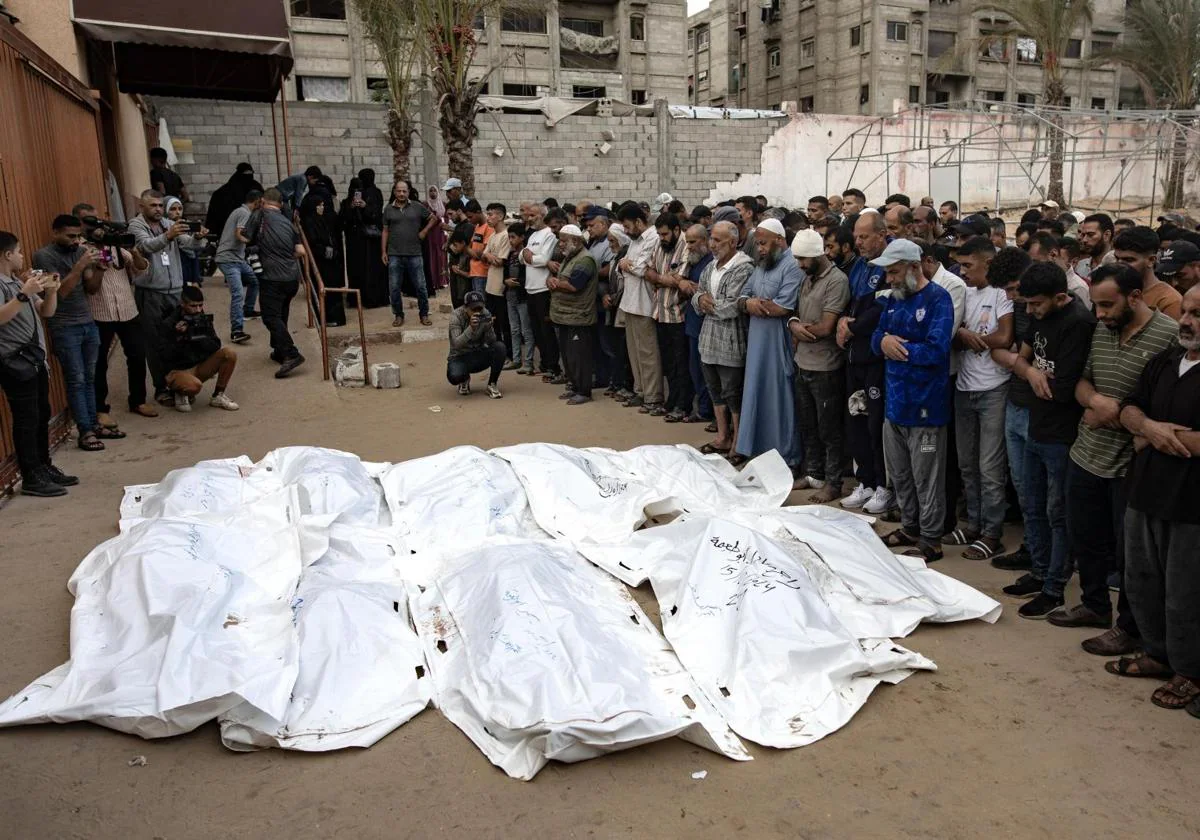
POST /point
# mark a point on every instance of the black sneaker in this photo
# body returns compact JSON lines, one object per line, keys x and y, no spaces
{"x":1040,"y":606}
{"x":59,"y":477}
{"x":289,"y":365}
{"x":39,"y":484}
{"x":239,"y":337}
{"x":251,"y":313}
{"x":1018,"y":561}
{"x":1025,"y":586}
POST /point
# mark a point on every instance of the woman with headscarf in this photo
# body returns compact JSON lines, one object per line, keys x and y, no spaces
{"x":435,"y":243}
{"x":324,"y":234}
{"x":362,"y":220}
{"x":189,"y":260}
{"x":230,"y":196}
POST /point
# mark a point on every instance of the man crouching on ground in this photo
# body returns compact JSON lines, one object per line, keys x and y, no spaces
{"x":193,"y":353}
{"x":474,"y":346}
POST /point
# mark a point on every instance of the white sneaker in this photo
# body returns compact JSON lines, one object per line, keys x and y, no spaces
{"x":880,"y":503}
{"x":464,"y":390}
{"x":861,"y":495}
{"x":808,"y":483}
{"x":182,"y":403}
{"x":493,"y":391}
{"x":222,"y":400}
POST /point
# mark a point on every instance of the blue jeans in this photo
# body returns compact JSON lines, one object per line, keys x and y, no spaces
{"x":979,"y":421}
{"x":411,"y":267}
{"x":1045,"y":477}
{"x":1016,"y":435}
{"x":478,"y":284}
{"x":235,"y":274}
{"x":78,"y":348}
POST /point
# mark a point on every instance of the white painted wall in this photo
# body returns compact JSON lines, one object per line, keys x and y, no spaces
{"x":794,"y":161}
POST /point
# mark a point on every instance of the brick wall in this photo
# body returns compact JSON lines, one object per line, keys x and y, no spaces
{"x":342,"y":139}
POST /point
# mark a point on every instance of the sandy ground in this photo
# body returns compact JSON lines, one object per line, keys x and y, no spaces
{"x":1019,"y":733}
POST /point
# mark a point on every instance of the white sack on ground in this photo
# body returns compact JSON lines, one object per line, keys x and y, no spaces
{"x":176,"y":621}
{"x":362,"y":671}
{"x":331,"y":483}
{"x":600,"y":497}
{"x":208,"y":487}
{"x":459,"y":497}
{"x":537,"y":655}
{"x":751,"y":627}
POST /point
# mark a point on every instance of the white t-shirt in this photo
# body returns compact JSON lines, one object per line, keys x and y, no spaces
{"x":541,"y":243}
{"x":984,"y":309}
{"x":1186,"y":364}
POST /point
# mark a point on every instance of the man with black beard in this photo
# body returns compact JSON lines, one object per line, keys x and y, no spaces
{"x":667,"y":268}
{"x":1129,"y":334}
{"x":913,"y":335}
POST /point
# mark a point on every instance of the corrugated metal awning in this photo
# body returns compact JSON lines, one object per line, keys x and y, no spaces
{"x":215,"y":49}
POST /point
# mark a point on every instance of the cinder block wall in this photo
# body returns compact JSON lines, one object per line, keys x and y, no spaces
{"x":343,"y":138}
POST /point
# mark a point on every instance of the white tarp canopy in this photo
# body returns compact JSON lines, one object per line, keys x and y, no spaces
{"x":312,"y":601}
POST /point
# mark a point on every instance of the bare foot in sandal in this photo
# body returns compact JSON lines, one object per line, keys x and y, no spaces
{"x":1143,"y":666}
{"x":984,"y":548}
{"x":88,"y":442}
{"x":1176,"y":693}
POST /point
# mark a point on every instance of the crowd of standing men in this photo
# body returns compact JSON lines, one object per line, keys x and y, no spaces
{"x":963,"y":378}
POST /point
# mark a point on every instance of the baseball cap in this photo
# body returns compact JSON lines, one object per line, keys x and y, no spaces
{"x":595,"y":212}
{"x":1049,"y":203}
{"x":571,"y":230}
{"x":1177,"y":219}
{"x":1180,"y":253}
{"x":972,"y":226}
{"x":807,"y":243}
{"x":452,"y":184}
{"x":663,"y":200}
{"x":898,"y":250}
{"x":473,"y":299}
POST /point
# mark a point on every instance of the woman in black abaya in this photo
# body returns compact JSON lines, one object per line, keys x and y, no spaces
{"x":324,"y":234}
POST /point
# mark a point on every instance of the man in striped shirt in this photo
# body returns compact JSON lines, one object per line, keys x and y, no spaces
{"x":1129,"y":334}
{"x":667,"y":267}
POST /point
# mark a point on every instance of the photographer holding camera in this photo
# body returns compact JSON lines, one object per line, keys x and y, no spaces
{"x":114,"y":310}
{"x":474,"y":346}
{"x":24,"y":377}
{"x":192,"y":353}
{"x":156,"y":291}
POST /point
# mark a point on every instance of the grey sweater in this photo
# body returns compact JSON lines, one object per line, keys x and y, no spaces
{"x":151,"y":240}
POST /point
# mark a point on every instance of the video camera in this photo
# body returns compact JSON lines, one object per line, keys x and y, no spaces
{"x":199,"y":327}
{"x":107,"y":233}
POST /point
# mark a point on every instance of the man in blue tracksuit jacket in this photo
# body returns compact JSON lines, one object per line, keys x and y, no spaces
{"x":914,"y":335}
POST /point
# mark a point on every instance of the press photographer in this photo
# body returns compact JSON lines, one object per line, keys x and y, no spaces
{"x":474,"y":346}
{"x":192,"y":353}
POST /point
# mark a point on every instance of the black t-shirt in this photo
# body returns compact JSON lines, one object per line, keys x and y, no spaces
{"x":276,"y":239}
{"x":1060,"y":343}
{"x":1161,"y":485}
{"x":1019,"y":392}
{"x":172,"y":183}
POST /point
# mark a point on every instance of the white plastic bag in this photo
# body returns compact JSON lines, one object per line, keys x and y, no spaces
{"x":208,"y":487}
{"x":362,"y":671}
{"x":175,"y":621}
{"x":537,"y":655}
{"x":331,"y":483}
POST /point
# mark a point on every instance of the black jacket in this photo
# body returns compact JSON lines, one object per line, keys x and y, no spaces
{"x":183,"y":351}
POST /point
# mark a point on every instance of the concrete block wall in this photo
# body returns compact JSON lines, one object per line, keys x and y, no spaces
{"x":343,"y":138}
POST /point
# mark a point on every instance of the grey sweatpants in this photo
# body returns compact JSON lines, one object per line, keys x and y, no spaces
{"x":1162,"y":577}
{"x":916,"y":464}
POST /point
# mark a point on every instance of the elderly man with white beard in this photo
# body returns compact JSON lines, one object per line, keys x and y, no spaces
{"x":573,"y":306}
{"x":914,"y":335}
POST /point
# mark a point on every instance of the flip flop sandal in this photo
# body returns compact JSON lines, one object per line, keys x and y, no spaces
{"x":674,"y":418}
{"x":657,"y":412}
{"x":925,"y":550}
{"x":110,"y":433}
{"x":960,"y":536}
{"x":979,"y":550}
{"x":88,"y":442}
{"x":709,"y":449}
{"x":900,"y":539}
{"x":711,"y":428}
{"x":1142,"y":666}
{"x":1176,"y":693}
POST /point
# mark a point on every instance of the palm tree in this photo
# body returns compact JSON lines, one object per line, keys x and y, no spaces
{"x":1162,"y":48}
{"x":1051,"y":23}
{"x":391,"y":27}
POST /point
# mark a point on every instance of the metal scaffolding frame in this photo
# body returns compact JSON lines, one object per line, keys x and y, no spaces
{"x":985,"y":124}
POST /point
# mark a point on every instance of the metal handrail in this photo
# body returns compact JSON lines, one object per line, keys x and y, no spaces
{"x":312,"y":275}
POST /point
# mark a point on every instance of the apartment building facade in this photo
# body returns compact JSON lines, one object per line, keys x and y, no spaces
{"x":631,"y":50}
{"x":877,"y":57}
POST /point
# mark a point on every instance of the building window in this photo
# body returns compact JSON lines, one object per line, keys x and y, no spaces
{"x":993,"y":95}
{"x":941,"y":42}
{"x":993,"y":47}
{"x":691,"y":40}
{"x":324,"y":9}
{"x":897,"y":31}
{"x":1098,"y":103}
{"x":514,"y":20}
{"x":1066,"y":102}
{"x":519,"y":90}
{"x":639,"y":97}
{"x":773,"y":61}
{"x":914,"y":93}
{"x":322,"y":89}
{"x":806,"y":105}
{"x":1026,"y":99}
{"x":771,"y":12}
{"x":637,"y":29}
{"x":588,"y":91}
{"x":941,"y":97}
{"x":1027,"y":50}
{"x":586,"y":26}
{"x":735,"y":80}
{"x":702,"y":77}
{"x":1101,"y":47}
{"x":479,"y":23}
{"x":855,"y":36}
{"x":377,"y":90}
{"x":808,"y":48}
{"x":1074,"y":48}
{"x":864,"y":94}
{"x":702,"y":36}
